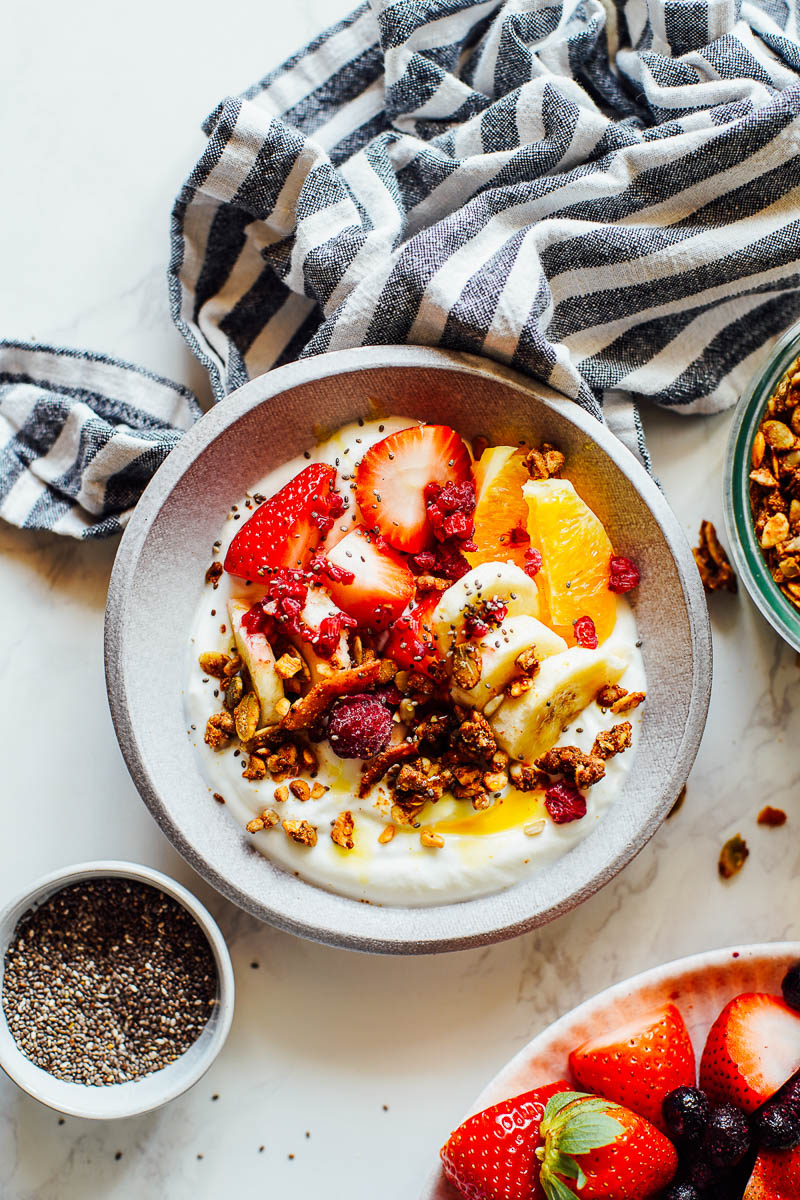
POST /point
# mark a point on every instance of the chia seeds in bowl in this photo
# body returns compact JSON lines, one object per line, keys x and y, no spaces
{"x":116,"y":990}
{"x":107,"y":981}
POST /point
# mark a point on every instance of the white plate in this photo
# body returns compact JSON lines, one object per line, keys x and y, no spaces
{"x":701,"y":986}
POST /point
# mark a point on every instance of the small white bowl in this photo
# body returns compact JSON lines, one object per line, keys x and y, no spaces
{"x":139,"y":1095}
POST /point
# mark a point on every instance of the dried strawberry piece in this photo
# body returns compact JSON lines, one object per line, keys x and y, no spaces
{"x":520,"y":537}
{"x":585,"y":633}
{"x":533,"y":562}
{"x":330,"y":630}
{"x":320,"y":565}
{"x":451,"y":510}
{"x":624,"y":574}
{"x":444,"y":559}
{"x":564,"y":802}
{"x":331,"y":507}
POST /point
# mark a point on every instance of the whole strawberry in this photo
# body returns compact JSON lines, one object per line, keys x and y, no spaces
{"x":596,"y":1150}
{"x":492,"y":1156}
{"x":776,"y":1176}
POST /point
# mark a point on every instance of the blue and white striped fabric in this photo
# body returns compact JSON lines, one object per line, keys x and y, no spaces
{"x":604,"y":194}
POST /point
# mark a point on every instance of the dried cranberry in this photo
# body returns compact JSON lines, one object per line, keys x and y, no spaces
{"x":564,"y":802}
{"x":585,"y":633}
{"x":533,"y":562}
{"x":624,"y":574}
{"x":520,"y":537}
{"x":451,"y":510}
{"x":359,"y":726}
{"x":444,"y":559}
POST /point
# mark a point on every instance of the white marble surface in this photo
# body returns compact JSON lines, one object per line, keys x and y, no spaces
{"x":101,"y":108}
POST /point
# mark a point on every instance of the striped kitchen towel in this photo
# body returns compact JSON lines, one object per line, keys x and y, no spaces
{"x":604,"y":194}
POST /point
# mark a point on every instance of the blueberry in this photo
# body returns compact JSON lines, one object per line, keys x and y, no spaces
{"x":727,"y":1138}
{"x":681,"y":1191}
{"x":699,"y":1174}
{"x":777,"y":1127}
{"x":791,"y":986}
{"x":686,"y":1113}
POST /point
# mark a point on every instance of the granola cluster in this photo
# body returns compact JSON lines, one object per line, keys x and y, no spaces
{"x":715,"y":570}
{"x":775,"y":484}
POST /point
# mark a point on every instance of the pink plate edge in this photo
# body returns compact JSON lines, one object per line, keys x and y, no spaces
{"x":700,"y":985}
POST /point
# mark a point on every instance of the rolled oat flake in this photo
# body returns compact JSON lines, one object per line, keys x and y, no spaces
{"x":107,"y":981}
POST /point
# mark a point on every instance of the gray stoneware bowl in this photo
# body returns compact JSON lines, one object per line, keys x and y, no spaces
{"x":159,"y":574}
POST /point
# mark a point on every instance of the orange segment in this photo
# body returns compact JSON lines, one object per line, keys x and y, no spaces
{"x":500,"y":506}
{"x":575,"y":551}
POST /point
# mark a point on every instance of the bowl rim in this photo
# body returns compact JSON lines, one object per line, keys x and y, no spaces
{"x":35,"y":1082}
{"x":745,"y":550}
{"x":716,"y":961}
{"x":211,"y":426}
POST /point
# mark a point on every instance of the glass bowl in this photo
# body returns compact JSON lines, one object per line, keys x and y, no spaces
{"x":745,"y":550}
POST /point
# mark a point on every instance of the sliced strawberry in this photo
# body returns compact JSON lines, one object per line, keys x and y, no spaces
{"x":752,"y":1049}
{"x":285,"y":530}
{"x":492,"y":1156}
{"x":638,"y":1063}
{"x":597,"y":1150}
{"x":411,"y":642}
{"x":776,"y":1176}
{"x":392,"y":476}
{"x":382,"y":584}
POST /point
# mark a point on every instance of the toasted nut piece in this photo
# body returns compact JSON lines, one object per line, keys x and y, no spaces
{"x":527,"y":661}
{"x":255,"y":825}
{"x":778,"y":435}
{"x":213,"y":663}
{"x":281,"y":793}
{"x":434,"y":841}
{"x":213,"y":574}
{"x":256,"y":768}
{"x":493,"y":705}
{"x":386,"y":834}
{"x":401,"y":680}
{"x":776,"y":530}
{"x":609,"y":694}
{"x":518,"y":686}
{"x":712,"y":561}
{"x":300,"y":789}
{"x":432,"y":583}
{"x":795,"y":421}
{"x":318,"y":790}
{"x":772,"y":817}
{"x":764,"y":477}
{"x":790,"y":568}
{"x":247,"y":715}
{"x":357,"y":650}
{"x":759,"y":447}
{"x":283,"y":707}
{"x":499,"y":760}
{"x":733,"y":856}
{"x":526,"y":778}
{"x":612,"y":741}
{"x":325,"y":670}
{"x":481,"y":801}
{"x":495,"y":781}
{"x":233,"y":666}
{"x":220,"y":728}
{"x":342,"y":831}
{"x":632,"y":700}
{"x":535,"y":828}
{"x":301,"y":831}
{"x":288,"y":665}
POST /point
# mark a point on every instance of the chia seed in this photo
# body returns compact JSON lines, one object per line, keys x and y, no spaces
{"x":107,"y":981}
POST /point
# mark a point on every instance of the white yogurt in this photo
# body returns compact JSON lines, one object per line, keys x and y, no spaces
{"x":402,"y":871}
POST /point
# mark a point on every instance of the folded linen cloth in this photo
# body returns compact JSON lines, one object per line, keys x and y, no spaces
{"x":604,"y":195}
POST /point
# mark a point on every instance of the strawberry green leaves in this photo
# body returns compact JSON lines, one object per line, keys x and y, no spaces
{"x":574,"y":1123}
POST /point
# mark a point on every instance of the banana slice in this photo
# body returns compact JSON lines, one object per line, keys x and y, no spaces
{"x":317,"y":607}
{"x":493,"y":580}
{"x":499,"y":651}
{"x":256,"y":654}
{"x":528,"y":725}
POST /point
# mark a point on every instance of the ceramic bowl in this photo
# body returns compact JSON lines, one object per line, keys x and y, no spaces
{"x":158,"y":577}
{"x":140,"y":1095}
{"x":701,"y":986}
{"x":745,"y":550}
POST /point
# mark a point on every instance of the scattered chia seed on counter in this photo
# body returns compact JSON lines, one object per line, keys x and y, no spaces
{"x":107,"y":981}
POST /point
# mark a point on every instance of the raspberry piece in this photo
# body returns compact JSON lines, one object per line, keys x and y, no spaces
{"x":330,"y":507}
{"x":330,"y":630}
{"x":533,"y":562}
{"x":389,"y":695}
{"x":485,"y":616}
{"x":320,"y":565}
{"x":624,"y":574}
{"x":585,"y":633}
{"x":564,"y":802}
{"x":444,"y":559}
{"x":359,"y":726}
{"x":451,"y":510}
{"x":520,"y":537}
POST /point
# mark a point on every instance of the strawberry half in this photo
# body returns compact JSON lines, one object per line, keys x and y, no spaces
{"x":596,"y":1150}
{"x":752,"y":1048}
{"x":492,"y":1156}
{"x":412,"y":643}
{"x":382,"y":583}
{"x":392,"y":476}
{"x":285,"y":530}
{"x":638,"y":1063}
{"x":776,"y":1176}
